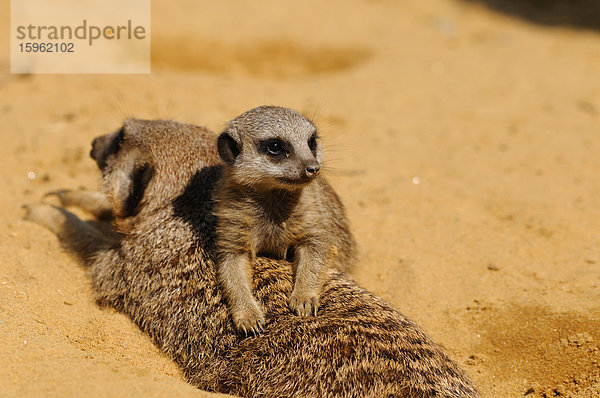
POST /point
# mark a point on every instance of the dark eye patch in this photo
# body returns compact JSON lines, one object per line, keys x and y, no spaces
{"x":312,"y":142}
{"x":274,"y":147}
{"x":140,"y":177}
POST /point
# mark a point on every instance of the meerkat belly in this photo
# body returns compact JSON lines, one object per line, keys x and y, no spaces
{"x":273,"y":240}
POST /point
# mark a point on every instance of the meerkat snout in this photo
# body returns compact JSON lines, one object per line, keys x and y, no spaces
{"x":312,"y":169}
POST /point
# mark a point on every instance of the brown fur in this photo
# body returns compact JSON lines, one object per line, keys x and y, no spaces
{"x":159,"y":177}
{"x":270,"y":204}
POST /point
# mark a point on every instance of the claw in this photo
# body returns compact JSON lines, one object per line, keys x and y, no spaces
{"x":304,"y":307}
{"x":57,"y":193}
{"x":248,"y":319}
{"x":253,"y":331}
{"x":60,"y":194}
{"x":250,"y":325}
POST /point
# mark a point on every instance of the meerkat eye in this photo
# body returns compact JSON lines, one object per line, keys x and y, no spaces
{"x":275,"y":148}
{"x":312,"y":142}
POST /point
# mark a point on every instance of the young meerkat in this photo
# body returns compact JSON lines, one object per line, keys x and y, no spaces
{"x":272,"y":201}
{"x":158,"y":182}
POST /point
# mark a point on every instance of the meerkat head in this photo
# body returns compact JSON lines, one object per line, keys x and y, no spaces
{"x":271,"y":147}
{"x":125,"y":171}
{"x":150,"y":158}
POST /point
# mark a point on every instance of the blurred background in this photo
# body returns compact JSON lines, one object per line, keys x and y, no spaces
{"x":462,"y":135}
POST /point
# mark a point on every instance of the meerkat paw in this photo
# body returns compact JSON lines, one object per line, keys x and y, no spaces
{"x":63,"y":196}
{"x":45,"y":215}
{"x":303,"y":305}
{"x":250,"y":320}
{"x":93,"y":202}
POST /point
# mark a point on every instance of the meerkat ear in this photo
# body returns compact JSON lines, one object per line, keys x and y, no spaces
{"x":106,"y":145}
{"x":229,"y":148}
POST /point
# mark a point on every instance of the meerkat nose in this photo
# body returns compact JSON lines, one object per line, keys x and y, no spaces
{"x":312,"y":170}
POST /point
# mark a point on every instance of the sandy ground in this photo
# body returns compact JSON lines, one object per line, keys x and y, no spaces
{"x":464,"y":141}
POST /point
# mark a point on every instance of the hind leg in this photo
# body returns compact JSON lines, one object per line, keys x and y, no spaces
{"x":93,"y":202}
{"x":95,"y":249}
{"x":78,"y":236}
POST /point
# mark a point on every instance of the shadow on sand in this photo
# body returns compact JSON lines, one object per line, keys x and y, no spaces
{"x":581,"y":14}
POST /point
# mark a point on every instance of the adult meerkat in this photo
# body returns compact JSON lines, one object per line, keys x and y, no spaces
{"x":271,"y":201}
{"x":158,"y":185}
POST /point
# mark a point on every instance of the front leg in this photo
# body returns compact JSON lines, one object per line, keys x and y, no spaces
{"x":93,"y":202}
{"x":310,"y":262}
{"x":235,"y":277}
